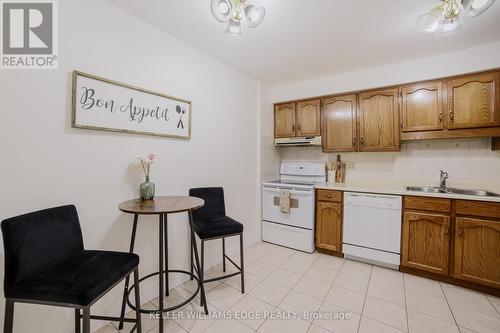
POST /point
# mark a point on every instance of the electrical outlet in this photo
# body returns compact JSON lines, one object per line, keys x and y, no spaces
{"x":350,"y":164}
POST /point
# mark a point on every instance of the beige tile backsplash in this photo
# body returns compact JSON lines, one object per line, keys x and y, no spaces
{"x":468,"y":162}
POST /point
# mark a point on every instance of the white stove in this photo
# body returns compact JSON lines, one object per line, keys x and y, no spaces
{"x":293,"y":228}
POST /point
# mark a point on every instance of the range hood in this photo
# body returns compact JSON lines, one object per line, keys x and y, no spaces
{"x":298,"y":141}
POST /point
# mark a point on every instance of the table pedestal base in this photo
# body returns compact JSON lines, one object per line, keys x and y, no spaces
{"x":163,"y":273}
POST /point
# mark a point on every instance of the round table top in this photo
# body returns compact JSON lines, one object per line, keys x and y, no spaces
{"x":162,"y":205}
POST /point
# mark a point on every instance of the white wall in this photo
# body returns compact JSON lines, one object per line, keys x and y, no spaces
{"x":467,"y":160}
{"x":44,"y":162}
{"x":465,"y":61}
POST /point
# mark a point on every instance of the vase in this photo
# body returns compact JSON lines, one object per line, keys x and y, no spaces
{"x":147,"y":190}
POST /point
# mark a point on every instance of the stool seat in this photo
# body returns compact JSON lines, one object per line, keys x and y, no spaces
{"x":216,"y":227}
{"x":78,"y":280}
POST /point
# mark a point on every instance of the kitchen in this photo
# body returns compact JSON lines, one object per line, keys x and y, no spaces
{"x":277,"y":166}
{"x":420,"y":193}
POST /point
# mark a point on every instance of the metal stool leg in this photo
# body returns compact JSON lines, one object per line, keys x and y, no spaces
{"x":77,"y":321}
{"x":242,"y":265}
{"x":127,"y":279}
{"x":86,"y":319}
{"x":224,"y":254}
{"x":202,"y":270}
{"x":197,"y":262}
{"x":137,"y":301}
{"x":9,"y":316}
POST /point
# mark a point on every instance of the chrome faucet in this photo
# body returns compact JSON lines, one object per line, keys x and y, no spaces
{"x":442,"y":179}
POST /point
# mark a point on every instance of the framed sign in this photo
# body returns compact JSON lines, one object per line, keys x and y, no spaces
{"x":101,"y":104}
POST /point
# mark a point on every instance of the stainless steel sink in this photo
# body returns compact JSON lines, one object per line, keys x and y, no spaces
{"x":478,"y":193}
{"x":425,"y":189}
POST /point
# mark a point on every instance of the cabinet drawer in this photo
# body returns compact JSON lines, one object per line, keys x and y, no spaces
{"x":328,"y":195}
{"x":428,"y":204}
{"x":477,"y":208}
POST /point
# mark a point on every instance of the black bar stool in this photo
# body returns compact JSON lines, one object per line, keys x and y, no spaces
{"x":46,"y":263}
{"x":210,"y":222}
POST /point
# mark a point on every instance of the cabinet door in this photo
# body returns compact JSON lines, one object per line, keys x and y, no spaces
{"x":339,"y":123}
{"x":477,"y":251}
{"x":422,"y":107}
{"x":473,"y":101}
{"x":309,"y":118}
{"x":329,"y":225}
{"x":284,"y":120}
{"x":426,"y":242}
{"x":379,"y":121}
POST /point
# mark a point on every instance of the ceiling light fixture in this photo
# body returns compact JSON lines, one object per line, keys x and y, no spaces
{"x":447,"y":17}
{"x":233,"y":11}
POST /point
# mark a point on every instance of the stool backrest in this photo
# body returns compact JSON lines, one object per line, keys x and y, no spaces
{"x":214,"y":202}
{"x":36,"y":241}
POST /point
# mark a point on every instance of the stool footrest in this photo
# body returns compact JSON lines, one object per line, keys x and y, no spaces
{"x":107,"y":318}
{"x":222,"y":277}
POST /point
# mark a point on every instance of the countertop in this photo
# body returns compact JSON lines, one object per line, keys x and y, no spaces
{"x":395,"y":188}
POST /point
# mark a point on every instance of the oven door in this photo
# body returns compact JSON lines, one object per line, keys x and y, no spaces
{"x":301,"y":213}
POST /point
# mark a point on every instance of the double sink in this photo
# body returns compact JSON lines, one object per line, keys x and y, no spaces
{"x":478,"y":193}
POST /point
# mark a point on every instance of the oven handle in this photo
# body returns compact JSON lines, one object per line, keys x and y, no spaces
{"x":277,"y":190}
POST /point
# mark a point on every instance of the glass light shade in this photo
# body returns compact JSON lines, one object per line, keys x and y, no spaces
{"x":255,"y":15}
{"x":429,"y":22}
{"x":447,"y":27}
{"x":221,"y":10}
{"x":233,"y":28}
{"x":474,"y":8}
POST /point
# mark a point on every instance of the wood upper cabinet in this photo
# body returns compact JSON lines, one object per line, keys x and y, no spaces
{"x":473,"y":101}
{"x":379,"y":120}
{"x":425,"y":243}
{"x":284,"y":120}
{"x":309,"y":118}
{"x":339,"y":123}
{"x":329,"y":225}
{"x":422,"y":107}
{"x":477,"y":251}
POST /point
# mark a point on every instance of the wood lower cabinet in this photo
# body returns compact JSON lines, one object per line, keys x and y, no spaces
{"x":473,"y":101}
{"x":426,"y":242}
{"x":309,"y":118}
{"x":422,"y":107}
{"x":477,"y":251}
{"x":339,"y":123}
{"x":329,"y":222}
{"x":379,"y":120}
{"x":284,"y":120}
{"x":456,"y":241}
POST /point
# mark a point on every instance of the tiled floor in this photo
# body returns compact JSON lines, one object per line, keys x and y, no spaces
{"x":347,"y":296}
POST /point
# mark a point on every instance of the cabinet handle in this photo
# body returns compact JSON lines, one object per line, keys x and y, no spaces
{"x":362,"y":140}
{"x":460,"y":232}
{"x":293,"y":127}
{"x":298,"y":127}
{"x":441,"y":116}
{"x":328,"y":196}
{"x":338,"y":216}
{"x":452,"y":116}
{"x":446,"y":233}
{"x":354,"y":142}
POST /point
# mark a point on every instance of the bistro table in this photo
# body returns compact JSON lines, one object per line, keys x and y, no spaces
{"x":162,"y":206}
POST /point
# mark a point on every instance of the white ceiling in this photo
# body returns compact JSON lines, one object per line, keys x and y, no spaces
{"x":304,"y":39}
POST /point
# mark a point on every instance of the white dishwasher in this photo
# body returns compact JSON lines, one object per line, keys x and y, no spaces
{"x":372,"y":228}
